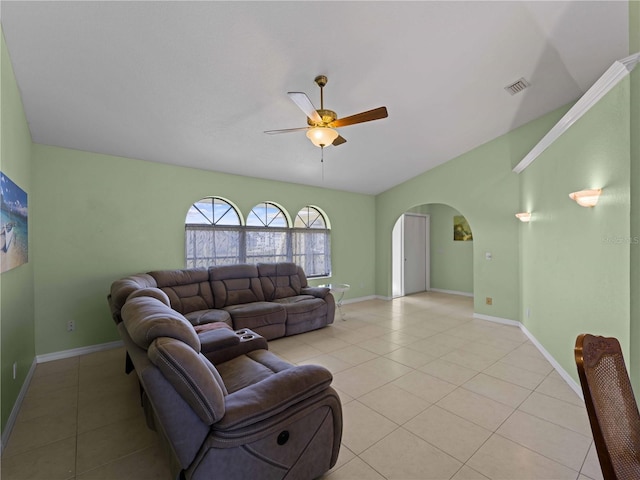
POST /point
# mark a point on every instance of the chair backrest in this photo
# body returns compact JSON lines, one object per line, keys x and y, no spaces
{"x":613,"y":412}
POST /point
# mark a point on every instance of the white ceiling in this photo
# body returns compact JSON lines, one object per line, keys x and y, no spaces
{"x":197,"y":83}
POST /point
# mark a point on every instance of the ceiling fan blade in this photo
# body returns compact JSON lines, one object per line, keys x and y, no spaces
{"x":339,"y":141}
{"x":303,"y":102}
{"x":286,"y":130}
{"x":375,"y":114}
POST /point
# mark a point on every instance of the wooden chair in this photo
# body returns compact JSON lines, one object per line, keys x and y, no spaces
{"x":613,"y":412}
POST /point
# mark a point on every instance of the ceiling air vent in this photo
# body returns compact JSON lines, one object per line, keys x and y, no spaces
{"x":517,"y":87}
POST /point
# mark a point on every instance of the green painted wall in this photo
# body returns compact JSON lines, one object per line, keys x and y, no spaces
{"x":481,"y":186}
{"x":451,"y":261}
{"x":634,"y":47}
{"x":103,"y":217}
{"x":575,"y":260}
{"x":95,"y":218}
{"x":16,"y":285}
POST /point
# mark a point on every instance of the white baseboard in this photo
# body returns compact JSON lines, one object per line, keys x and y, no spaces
{"x":561,"y":371}
{"x":380,"y":297}
{"x":358,"y":299}
{"x":489,"y":318}
{"x":451,"y":292}
{"x":76,"y":352}
{"x":16,"y":407}
{"x":48,"y":357}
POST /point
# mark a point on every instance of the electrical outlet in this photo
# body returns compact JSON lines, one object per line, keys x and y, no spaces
{"x":15,"y":370}
{"x":489,"y":301}
{"x":71,"y":326}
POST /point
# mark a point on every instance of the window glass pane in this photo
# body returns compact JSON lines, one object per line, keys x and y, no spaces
{"x":311,"y":250}
{"x":224,"y":213}
{"x":212,"y":211}
{"x":200,"y":213}
{"x":266,"y":215}
{"x":266,"y":245}
{"x":212,"y":246}
{"x":309,"y":217}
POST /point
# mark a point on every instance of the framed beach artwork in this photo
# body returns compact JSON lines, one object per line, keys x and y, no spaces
{"x":13,"y":225}
{"x":461,"y":229}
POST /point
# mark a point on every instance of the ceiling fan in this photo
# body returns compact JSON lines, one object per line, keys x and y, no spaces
{"x":322,"y":123}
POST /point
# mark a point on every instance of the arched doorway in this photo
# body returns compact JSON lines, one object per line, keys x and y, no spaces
{"x":447,"y":256}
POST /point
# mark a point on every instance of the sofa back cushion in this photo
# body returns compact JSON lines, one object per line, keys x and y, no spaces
{"x":192,"y":375}
{"x":235,"y":285}
{"x":188,"y":290}
{"x":121,"y":289}
{"x":303,"y":277}
{"x":147,"y":318}
{"x":151,"y":292}
{"x":279,"y":280}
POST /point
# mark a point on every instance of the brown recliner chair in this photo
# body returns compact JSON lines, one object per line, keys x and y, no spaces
{"x":251,"y":415}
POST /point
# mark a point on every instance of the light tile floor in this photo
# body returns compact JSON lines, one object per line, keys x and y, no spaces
{"x":428,"y":392}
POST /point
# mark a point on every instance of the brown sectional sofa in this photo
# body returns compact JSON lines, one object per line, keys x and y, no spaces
{"x":222,"y":404}
{"x":234,"y":410}
{"x":273,"y":300}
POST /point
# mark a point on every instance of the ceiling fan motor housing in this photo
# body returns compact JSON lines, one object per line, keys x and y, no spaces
{"x":327,"y":116}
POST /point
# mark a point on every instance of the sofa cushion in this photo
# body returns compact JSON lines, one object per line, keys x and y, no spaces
{"x":253,"y":367}
{"x":192,"y":375}
{"x":257,"y":315}
{"x":279,"y":280}
{"x":151,"y":292}
{"x":304,"y":313}
{"x":235,"y":285}
{"x":121,"y":289}
{"x":188,"y":290}
{"x":202,"y":317}
{"x":147,"y":318}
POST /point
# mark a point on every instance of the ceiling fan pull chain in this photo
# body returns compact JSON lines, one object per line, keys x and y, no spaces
{"x":322,"y":160}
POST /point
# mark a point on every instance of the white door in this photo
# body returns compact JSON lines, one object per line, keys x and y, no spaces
{"x":416,"y":253}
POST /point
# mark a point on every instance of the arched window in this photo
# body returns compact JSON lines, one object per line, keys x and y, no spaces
{"x":267,"y":214}
{"x":311,"y":248}
{"x":267,"y":235}
{"x":213,"y":234}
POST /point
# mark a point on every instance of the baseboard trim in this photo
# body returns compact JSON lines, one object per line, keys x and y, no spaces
{"x":386,"y":299}
{"x":451,"y":292}
{"x":561,"y":371}
{"x":358,"y":299}
{"x":558,"y":368}
{"x":76,"y":352}
{"x":11,"y":421}
{"x":504,"y":321}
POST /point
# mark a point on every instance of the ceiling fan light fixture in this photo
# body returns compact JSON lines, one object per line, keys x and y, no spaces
{"x":322,"y":136}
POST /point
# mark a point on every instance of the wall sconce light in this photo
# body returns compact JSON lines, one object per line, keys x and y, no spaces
{"x":524,"y":216}
{"x":586,"y":198}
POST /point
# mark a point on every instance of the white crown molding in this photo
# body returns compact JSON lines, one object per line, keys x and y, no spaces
{"x":610,"y":78}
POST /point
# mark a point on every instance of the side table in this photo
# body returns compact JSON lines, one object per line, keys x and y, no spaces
{"x":338,"y":289}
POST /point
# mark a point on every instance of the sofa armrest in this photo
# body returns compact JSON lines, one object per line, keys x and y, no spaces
{"x":272,"y":395}
{"x":216,"y":339}
{"x":318,"y":292}
{"x":223,"y":344}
